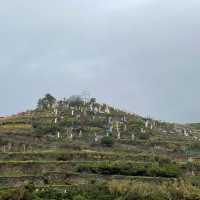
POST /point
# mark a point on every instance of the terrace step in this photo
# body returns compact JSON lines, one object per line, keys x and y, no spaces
{"x":65,"y":179}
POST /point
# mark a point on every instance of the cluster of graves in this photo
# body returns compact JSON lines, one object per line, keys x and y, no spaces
{"x":108,"y":120}
{"x":115,"y":122}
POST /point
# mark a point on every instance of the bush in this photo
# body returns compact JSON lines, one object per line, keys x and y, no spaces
{"x":162,"y":160}
{"x":131,"y":190}
{"x":107,"y":141}
{"x":144,"y":136}
{"x":131,"y":169}
{"x":167,"y":170}
{"x":195,"y":146}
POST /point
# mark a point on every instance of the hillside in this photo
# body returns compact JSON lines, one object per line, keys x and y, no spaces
{"x":77,"y":148}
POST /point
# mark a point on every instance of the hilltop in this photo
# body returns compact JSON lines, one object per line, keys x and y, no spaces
{"x":77,"y":143}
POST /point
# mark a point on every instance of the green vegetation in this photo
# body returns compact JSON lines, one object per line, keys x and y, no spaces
{"x":123,"y":190}
{"x":131,"y":169}
{"x":107,"y":141}
{"x":61,"y":150}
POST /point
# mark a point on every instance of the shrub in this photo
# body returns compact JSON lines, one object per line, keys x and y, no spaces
{"x":144,"y":136}
{"x":131,"y":190}
{"x":195,"y":146}
{"x":131,"y":169}
{"x":162,"y":160}
{"x":169,"y":170}
{"x":107,"y":141}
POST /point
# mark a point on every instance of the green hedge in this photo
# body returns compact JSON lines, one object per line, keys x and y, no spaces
{"x":131,"y":169}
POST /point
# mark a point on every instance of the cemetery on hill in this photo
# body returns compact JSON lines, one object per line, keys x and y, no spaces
{"x":77,"y":148}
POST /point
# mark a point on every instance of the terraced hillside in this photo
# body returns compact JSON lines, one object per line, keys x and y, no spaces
{"x":80,"y":149}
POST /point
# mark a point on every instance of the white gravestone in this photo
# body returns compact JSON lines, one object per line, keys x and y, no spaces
{"x":147,"y":124}
{"x":125,"y":127}
{"x":186,"y":133}
{"x":71,"y":135}
{"x":133,"y":137}
{"x":142,"y":130}
{"x":111,"y":128}
{"x":118,"y":132}
{"x":95,"y":137}
{"x":80,"y":133}
{"x":107,"y":110}
{"x":110,"y":120}
{"x":56,"y":120}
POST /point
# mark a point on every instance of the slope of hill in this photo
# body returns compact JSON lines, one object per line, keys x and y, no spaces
{"x":79,"y":149}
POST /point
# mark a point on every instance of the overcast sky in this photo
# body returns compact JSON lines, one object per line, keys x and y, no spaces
{"x":140,"y":55}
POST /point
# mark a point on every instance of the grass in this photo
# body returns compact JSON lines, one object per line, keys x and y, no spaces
{"x":15,"y":126}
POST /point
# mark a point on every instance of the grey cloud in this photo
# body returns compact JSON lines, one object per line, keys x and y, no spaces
{"x":140,"y":55}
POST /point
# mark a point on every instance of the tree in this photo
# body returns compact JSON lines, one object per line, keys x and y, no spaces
{"x":93,"y":100}
{"x":75,"y":100}
{"x":51,"y":100}
{"x":46,"y":102}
